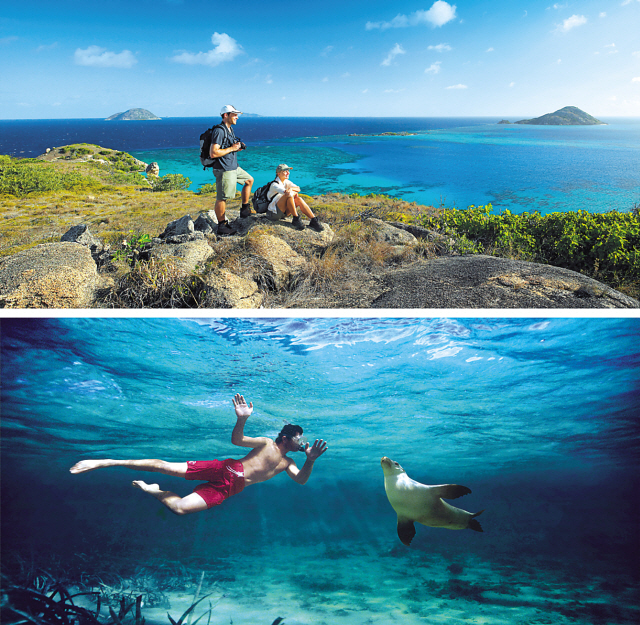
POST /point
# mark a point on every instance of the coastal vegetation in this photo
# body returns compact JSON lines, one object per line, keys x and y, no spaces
{"x":41,"y":200}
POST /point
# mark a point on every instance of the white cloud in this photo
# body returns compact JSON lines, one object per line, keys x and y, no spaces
{"x":326,"y":51}
{"x":512,"y":84}
{"x":441,"y":47}
{"x":603,"y":14}
{"x":7,"y":40}
{"x":636,"y":53}
{"x":95,"y":56}
{"x":458,"y":87}
{"x":393,"y":90}
{"x":395,"y":51}
{"x":225,"y":49}
{"x":636,"y":79}
{"x":346,"y":75}
{"x":489,"y":49}
{"x":268,"y":79}
{"x":434,"y":68}
{"x":571,"y":23}
{"x":365,"y":90}
{"x":325,"y":79}
{"x":438,"y":15}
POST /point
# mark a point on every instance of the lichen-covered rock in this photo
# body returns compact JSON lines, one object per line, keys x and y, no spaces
{"x":206,"y":222}
{"x":388,"y":233}
{"x":282,"y":262}
{"x":152,"y":169}
{"x":52,"y":275}
{"x":226,"y":290}
{"x":188,"y":256}
{"x":482,"y":281}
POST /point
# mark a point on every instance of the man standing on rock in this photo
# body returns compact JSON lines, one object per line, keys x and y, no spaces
{"x":224,"y":148}
{"x":223,"y":478}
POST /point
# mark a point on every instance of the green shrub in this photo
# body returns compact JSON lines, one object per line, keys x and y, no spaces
{"x":608,"y":243}
{"x":22,"y":177}
{"x":208,"y":188}
{"x":171,"y":182}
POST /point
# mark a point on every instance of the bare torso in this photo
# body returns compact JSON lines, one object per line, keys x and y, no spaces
{"x":263,"y":462}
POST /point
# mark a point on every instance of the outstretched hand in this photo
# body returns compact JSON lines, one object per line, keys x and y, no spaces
{"x":316,"y":450}
{"x":242,"y":410}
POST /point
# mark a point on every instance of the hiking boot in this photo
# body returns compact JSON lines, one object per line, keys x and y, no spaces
{"x":245,"y":211}
{"x":314,"y":224}
{"x":297,"y":223}
{"x":225,"y":229}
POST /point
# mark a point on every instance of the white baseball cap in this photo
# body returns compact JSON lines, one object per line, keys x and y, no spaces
{"x":229,"y":108}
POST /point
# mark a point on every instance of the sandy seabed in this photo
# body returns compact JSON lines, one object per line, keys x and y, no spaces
{"x":403,"y":586}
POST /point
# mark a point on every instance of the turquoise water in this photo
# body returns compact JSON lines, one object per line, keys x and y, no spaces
{"x":539,"y":417}
{"x":515,"y":167}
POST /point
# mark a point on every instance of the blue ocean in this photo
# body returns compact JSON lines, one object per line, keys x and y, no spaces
{"x":537,"y":416}
{"x":455,"y":162}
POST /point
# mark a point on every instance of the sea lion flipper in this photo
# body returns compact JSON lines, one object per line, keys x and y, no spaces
{"x":406,"y":530}
{"x":451,"y":491}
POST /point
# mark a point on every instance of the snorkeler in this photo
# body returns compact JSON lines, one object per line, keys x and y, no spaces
{"x":224,"y":478}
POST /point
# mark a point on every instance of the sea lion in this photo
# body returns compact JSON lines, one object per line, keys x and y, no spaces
{"x":415,"y":502}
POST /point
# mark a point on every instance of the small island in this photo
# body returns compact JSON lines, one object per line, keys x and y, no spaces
{"x":133,"y":115}
{"x":567,"y":116}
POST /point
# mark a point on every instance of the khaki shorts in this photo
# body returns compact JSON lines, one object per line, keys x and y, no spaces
{"x":226,"y":182}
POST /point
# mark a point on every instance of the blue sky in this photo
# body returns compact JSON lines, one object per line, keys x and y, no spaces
{"x":186,"y":58}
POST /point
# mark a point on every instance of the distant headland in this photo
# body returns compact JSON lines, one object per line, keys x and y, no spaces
{"x":133,"y":114}
{"x":567,"y":116}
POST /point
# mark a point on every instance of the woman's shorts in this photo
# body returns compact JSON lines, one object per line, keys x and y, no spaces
{"x":224,"y":478}
{"x":277,"y":216}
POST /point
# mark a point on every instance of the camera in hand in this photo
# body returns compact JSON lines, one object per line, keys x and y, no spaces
{"x":242,"y":144}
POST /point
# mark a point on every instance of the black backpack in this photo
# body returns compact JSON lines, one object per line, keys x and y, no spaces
{"x":260,"y":199}
{"x":205,"y":146}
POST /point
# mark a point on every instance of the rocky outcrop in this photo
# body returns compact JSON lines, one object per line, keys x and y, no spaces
{"x":187,"y":257}
{"x":53,"y":275}
{"x":226,"y":290}
{"x":265,"y":257}
{"x":489,"y":282}
{"x":152,"y":169}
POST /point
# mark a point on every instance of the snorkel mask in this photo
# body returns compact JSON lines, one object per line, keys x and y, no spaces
{"x":301,"y":441}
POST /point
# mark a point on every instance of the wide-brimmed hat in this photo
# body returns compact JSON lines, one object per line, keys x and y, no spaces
{"x":283,"y":167}
{"x":229,"y":108}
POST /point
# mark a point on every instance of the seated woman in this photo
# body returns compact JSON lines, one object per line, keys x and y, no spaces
{"x":286,"y":201}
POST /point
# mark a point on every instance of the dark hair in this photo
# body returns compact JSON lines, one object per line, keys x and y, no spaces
{"x":289,"y":431}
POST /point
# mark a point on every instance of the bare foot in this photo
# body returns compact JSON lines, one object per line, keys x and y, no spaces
{"x":85,"y":465}
{"x":147,"y":488}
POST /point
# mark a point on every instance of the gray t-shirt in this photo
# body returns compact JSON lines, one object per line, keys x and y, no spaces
{"x":225,"y":138}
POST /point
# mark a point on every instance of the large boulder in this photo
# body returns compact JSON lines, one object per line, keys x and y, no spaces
{"x":387,"y":233}
{"x":52,"y":275}
{"x":279,"y":261}
{"x":488,"y":282}
{"x":226,"y":290}
{"x":188,"y":256}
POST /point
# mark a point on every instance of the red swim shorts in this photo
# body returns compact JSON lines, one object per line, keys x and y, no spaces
{"x":224,"y":478}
